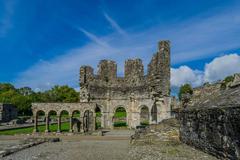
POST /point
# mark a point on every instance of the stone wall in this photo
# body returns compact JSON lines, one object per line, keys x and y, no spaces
{"x":107,"y":84}
{"x":107,"y":91}
{"x":8,"y":112}
{"x":214,"y":130}
{"x":212,"y":123}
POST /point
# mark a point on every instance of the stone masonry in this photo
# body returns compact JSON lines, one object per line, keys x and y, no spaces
{"x":212,"y":123}
{"x":132,"y":92}
{"x":8,"y":112}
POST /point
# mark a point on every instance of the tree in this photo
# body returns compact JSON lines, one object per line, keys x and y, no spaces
{"x":63,"y":94}
{"x":185,"y":89}
{"x":22,"y":98}
{"x":25,"y":91}
{"x":23,"y":104}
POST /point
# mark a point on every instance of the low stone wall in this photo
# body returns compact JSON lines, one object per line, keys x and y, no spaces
{"x":215,"y":130}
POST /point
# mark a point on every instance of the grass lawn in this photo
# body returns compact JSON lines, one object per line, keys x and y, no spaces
{"x":29,"y":130}
{"x":120,"y":114}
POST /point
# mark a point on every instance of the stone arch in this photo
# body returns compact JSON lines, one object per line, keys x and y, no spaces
{"x":144,"y":115}
{"x":52,"y":120}
{"x":119,"y":106}
{"x":75,"y":113}
{"x":76,"y":122}
{"x":64,"y":116}
{"x":99,"y":117}
{"x":40,"y":117}
{"x":120,"y":116}
{"x":154,"y":111}
{"x":88,"y":120}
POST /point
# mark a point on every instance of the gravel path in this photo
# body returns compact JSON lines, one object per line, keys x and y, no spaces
{"x":115,"y":145}
{"x":81,"y":150}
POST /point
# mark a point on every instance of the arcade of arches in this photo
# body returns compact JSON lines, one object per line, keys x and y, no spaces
{"x":87,"y":117}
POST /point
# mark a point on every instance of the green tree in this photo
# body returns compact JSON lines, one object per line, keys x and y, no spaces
{"x":184,"y":89}
{"x":23,"y":104}
{"x":25,"y":91}
{"x":62,"y":94}
{"x":4,"y":87}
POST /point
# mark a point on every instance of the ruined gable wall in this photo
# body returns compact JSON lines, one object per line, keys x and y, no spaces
{"x":106,"y":84}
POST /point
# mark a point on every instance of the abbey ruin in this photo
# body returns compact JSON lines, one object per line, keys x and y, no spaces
{"x":107,"y":92}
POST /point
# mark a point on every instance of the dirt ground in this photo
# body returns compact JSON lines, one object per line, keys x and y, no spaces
{"x":159,"y":143}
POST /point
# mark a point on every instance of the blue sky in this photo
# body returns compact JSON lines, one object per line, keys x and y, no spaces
{"x":43,"y":42}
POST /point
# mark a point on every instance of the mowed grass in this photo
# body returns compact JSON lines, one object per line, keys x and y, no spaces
{"x":41,"y":128}
{"x":120,"y":114}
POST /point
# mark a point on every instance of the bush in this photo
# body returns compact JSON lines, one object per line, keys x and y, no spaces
{"x":227,"y":80}
{"x":185,"y":89}
{"x":120,"y":124}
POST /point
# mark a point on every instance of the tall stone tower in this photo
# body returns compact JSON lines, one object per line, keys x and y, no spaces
{"x":159,"y":70}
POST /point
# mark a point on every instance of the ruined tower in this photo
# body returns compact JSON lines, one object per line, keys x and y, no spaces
{"x":159,"y":70}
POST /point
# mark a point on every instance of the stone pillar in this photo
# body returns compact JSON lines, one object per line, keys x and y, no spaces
{"x":70,"y":124}
{"x":103,"y":120}
{"x":110,"y":120}
{"x":47,"y":124}
{"x":94,"y":123}
{"x":35,"y":124}
{"x":81,"y":124}
{"x":59,"y":123}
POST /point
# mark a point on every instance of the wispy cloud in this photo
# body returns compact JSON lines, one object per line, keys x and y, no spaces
{"x":192,"y":39}
{"x":94,"y":38}
{"x":114,"y":24}
{"x":5,"y":22}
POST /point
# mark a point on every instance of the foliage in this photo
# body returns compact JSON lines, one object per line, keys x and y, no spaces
{"x":22,"y":98}
{"x":227,"y":80}
{"x":120,"y":124}
{"x":185,"y":89}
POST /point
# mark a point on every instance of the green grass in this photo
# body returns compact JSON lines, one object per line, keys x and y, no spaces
{"x":41,"y":128}
{"x":120,"y":114}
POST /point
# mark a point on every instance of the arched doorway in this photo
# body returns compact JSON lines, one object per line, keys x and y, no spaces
{"x":98,"y":117}
{"x":52,"y":121}
{"x":76,"y":124}
{"x":64,"y":121}
{"x":41,"y":120}
{"x":88,"y":121}
{"x":144,"y":115}
{"x":120,"y":117}
{"x":154,"y":114}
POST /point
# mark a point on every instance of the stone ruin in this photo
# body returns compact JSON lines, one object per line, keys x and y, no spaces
{"x":8,"y":112}
{"x":211,"y":120}
{"x":108,"y":92}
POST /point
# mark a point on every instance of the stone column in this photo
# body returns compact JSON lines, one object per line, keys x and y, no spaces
{"x":103,"y":120}
{"x":94,"y":123}
{"x":35,"y":124}
{"x":47,"y":124}
{"x":70,"y":124}
{"x":59,"y":123}
{"x":81,"y":124}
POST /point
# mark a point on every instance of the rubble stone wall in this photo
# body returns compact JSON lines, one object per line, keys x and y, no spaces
{"x":211,"y":120}
{"x":215,"y":130}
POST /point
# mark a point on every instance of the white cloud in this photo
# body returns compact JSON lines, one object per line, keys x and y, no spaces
{"x":94,"y":38}
{"x":217,"y":69}
{"x":184,"y":74}
{"x":114,"y":24}
{"x":190,"y":40}
{"x":221,"y":67}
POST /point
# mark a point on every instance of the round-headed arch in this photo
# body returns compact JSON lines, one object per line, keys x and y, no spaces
{"x":40,"y":113}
